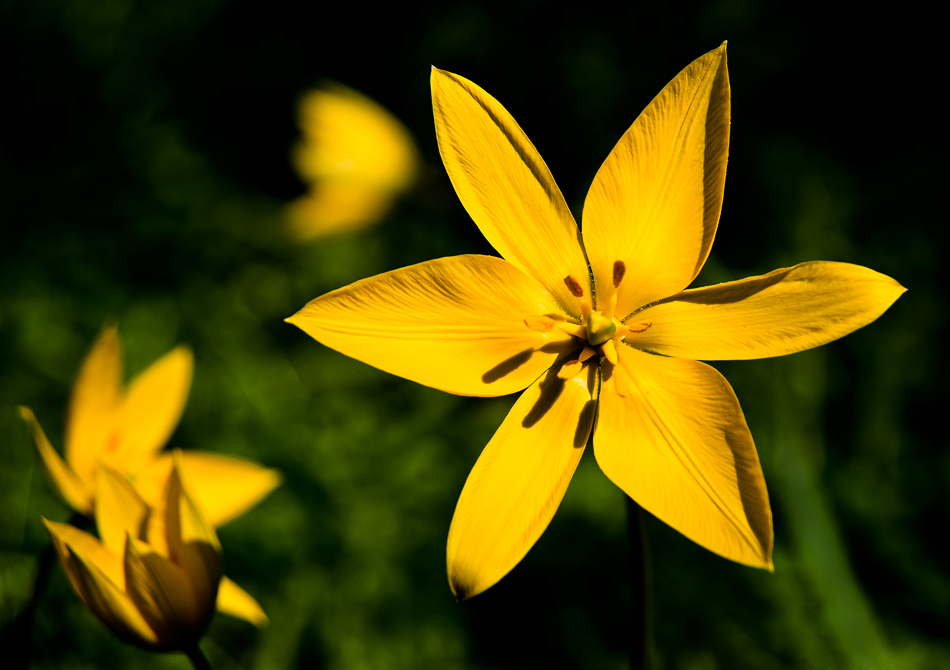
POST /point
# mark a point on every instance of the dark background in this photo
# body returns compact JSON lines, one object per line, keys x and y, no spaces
{"x":143,"y":167}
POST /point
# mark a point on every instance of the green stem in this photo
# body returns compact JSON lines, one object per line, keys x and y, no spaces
{"x":641,"y":589}
{"x":17,"y":638}
{"x":198,"y":660}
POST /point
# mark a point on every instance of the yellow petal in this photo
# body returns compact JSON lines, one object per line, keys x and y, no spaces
{"x":785,"y":311}
{"x":163,"y":593}
{"x":112,"y":606}
{"x":91,"y":550}
{"x":677,"y":443}
{"x":506,"y":187}
{"x":62,"y":478}
{"x":237,"y":602}
{"x":223,"y":487}
{"x":119,"y":510}
{"x":519,"y":480}
{"x":654,"y":204}
{"x":93,"y":404}
{"x":457,"y":324}
{"x":346,"y":134}
{"x":152,"y":408}
{"x":192,"y":542}
{"x":336,"y":205}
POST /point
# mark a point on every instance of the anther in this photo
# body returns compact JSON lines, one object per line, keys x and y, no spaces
{"x":540,"y":323}
{"x":574,"y":286}
{"x":619,"y":271}
{"x":638,"y":327}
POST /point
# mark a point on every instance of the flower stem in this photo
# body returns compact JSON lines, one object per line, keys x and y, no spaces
{"x":641,"y":589}
{"x":17,"y":637}
{"x":198,"y":660}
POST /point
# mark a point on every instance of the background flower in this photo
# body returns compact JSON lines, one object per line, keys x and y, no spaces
{"x":152,"y":576}
{"x":356,"y":158}
{"x":124,"y":431}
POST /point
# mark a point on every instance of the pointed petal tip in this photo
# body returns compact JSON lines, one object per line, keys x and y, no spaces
{"x":459,"y":590}
{"x":236,"y":602}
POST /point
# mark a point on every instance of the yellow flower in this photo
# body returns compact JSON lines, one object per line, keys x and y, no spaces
{"x":124,"y":430}
{"x":597,"y":327}
{"x":356,"y":156}
{"x":153,"y":575}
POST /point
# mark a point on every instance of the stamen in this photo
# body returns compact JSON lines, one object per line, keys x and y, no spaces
{"x":574,"y":286}
{"x":586,"y":309}
{"x":611,"y":305}
{"x":575,"y":329}
{"x":610,"y":351}
{"x":586,"y":354}
{"x":638,"y":327}
{"x":569,"y":370}
{"x":620,"y":382}
{"x":540,"y":323}
{"x":620,"y":269}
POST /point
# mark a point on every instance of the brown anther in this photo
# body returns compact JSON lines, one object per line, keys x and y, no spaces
{"x":619,"y":271}
{"x":540,"y":323}
{"x":638,"y":327}
{"x":574,"y":286}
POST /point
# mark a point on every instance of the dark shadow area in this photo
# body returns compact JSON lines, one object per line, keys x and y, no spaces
{"x":551,"y":389}
{"x":507,"y":366}
{"x":585,"y":423}
{"x":724,"y":294}
{"x":512,"y":363}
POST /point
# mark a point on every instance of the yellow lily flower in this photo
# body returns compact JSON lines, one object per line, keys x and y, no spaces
{"x":125,"y":430}
{"x":152,"y":577}
{"x":356,"y":156}
{"x":597,"y":327}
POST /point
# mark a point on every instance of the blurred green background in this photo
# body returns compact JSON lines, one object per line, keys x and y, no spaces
{"x":143,"y":167}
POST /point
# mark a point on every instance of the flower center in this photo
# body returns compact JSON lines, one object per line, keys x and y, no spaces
{"x":599,"y":329}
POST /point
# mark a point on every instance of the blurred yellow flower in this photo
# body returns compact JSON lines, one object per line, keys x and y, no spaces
{"x":153,"y":575}
{"x":356,"y":157}
{"x":124,"y":430}
{"x":596,"y":325}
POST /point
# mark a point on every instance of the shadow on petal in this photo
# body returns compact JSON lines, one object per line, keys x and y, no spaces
{"x":725,"y":294}
{"x":551,"y":389}
{"x":507,"y":366}
{"x":584,"y":424}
